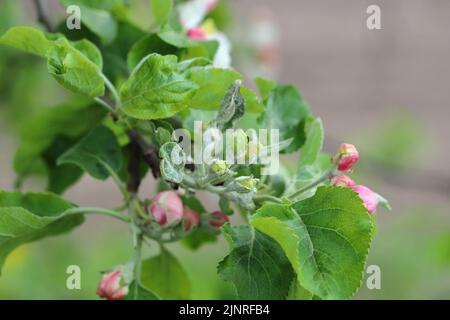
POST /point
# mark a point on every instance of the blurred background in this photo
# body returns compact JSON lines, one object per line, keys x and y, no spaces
{"x":386,"y":91}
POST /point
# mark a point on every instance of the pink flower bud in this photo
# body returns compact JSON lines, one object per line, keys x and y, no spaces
{"x":342,"y":181}
{"x":218,"y":219}
{"x":197,"y":34}
{"x":167,"y":208}
{"x":369,"y":197}
{"x":111,"y":288}
{"x":191,"y":219}
{"x":347,"y":155}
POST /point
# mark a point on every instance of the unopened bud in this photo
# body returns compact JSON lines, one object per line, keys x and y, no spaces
{"x":219,"y":167}
{"x":111,"y":286}
{"x":369,"y":197}
{"x":197,"y":34}
{"x":342,"y":181}
{"x":245,"y":184}
{"x":218,"y":219}
{"x":167,"y":208}
{"x":191,"y":219}
{"x":346,"y":156}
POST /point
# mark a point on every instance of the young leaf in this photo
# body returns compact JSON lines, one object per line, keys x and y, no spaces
{"x":90,"y":51}
{"x":165,"y":276}
{"x":286,"y":110}
{"x":214,"y":84}
{"x":73,"y":70}
{"x":326,"y":238}
{"x":26,"y":217}
{"x":28,"y":39}
{"x":161,"y":10}
{"x":256,"y":265}
{"x":156,"y":89}
{"x":232,"y":108}
{"x":172,"y":163}
{"x":98,"y":153}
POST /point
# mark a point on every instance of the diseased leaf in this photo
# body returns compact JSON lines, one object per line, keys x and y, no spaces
{"x":98,"y":153}
{"x":232,"y":107}
{"x":256,"y":265}
{"x":172,"y":163}
{"x":165,"y":276}
{"x":156,"y":89}
{"x":26,"y":217}
{"x":326,"y":238}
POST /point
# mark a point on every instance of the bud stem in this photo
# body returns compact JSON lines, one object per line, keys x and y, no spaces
{"x":102,"y":211}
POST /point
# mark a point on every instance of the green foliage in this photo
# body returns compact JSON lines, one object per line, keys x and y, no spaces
{"x":32,"y":216}
{"x":214,"y":84}
{"x":99,"y":21}
{"x":286,"y":110}
{"x":160,"y":95}
{"x":98,"y":153}
{"x":158,"y":80}
{"x":165,"y":276}
{"x":161,"y":10}
{"x":256,"y":265}
{"x":326,"y":238}
{"x":47,"y":135}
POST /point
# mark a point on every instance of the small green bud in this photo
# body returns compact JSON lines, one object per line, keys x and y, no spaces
{"x":219,"y":167}
{"x":246,"y":184}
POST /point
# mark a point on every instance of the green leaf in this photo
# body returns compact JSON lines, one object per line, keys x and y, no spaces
{"x":232,"y":107}
{"x":313,"y":144}
{"x":90,"y":51}
{"x":98,"y":153}
{"x":176,"y":38}
{"x":161,"y":10}
{"x":286,"y":110}
{"x":73,"y":70}
{"x":326,"y":238}
{"x":156,"y":89}
{"x":139,"y":292}
{"x":214,"y":84}
{"x":256,"y":265}
{"x":165,"y":276}
{"x":100,"y":22}
{"x":28,"y":39}
{"x":47,"y":135}
{"x":26,"y":217}
{"x":149,"y":44}
{"x":264,"y":86}
{"x":172,"y":163}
